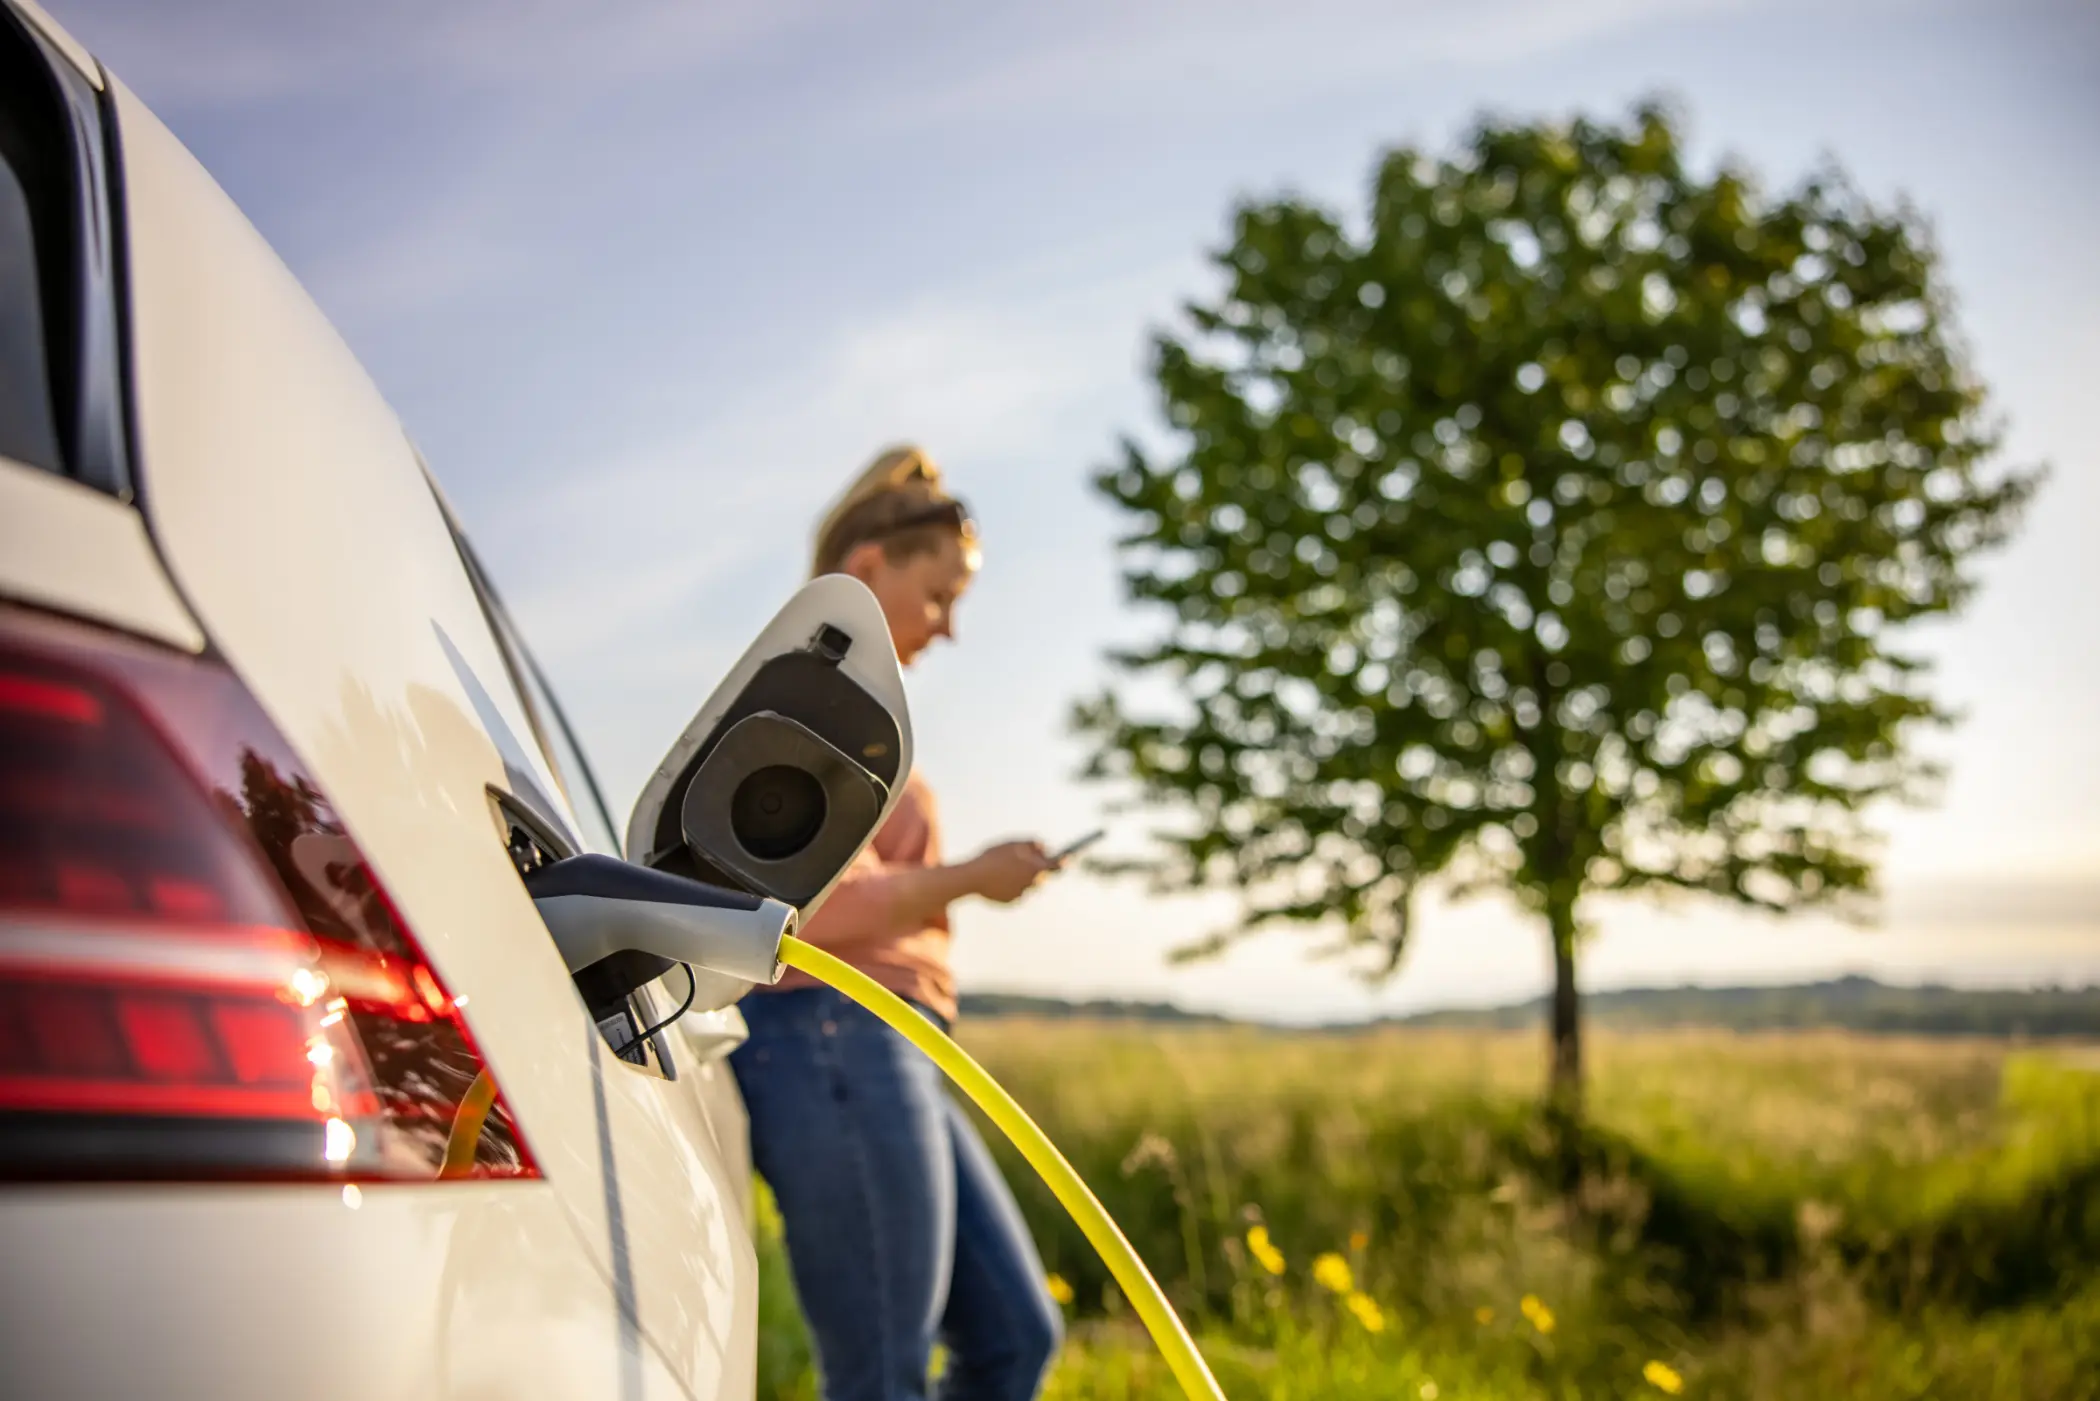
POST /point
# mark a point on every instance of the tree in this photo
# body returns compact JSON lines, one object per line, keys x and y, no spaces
{"x":1549,"y":534}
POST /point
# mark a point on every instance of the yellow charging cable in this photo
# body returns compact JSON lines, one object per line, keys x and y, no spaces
{"x":467,"y":1121}
{"x":1123,"y":1262}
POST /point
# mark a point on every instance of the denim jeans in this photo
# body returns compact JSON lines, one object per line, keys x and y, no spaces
{"x":900,"y":1231}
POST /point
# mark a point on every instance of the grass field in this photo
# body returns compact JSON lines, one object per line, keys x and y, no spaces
{"x":1381,"y":1216}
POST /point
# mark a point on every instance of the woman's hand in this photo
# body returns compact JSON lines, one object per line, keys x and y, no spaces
{"x":1006,"y":872}
{"x":908,"y":896}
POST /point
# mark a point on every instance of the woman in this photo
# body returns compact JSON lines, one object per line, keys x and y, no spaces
{"x":900,"y":1230}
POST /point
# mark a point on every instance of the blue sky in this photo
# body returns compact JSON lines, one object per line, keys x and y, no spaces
{"x":647,"y":281}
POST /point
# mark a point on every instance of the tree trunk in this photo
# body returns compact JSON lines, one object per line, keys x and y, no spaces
{"x":1564,"y":1093}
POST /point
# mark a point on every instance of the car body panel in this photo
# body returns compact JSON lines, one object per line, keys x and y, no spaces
{"x":68,"y":546}
{"x":458,"y":1293}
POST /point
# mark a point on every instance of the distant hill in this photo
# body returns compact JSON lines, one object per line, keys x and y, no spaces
{"x":1850,"y":1004}
{"x":1014,"y":1004}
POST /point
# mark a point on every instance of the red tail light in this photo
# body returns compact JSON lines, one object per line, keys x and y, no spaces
{"x":199,"y":975}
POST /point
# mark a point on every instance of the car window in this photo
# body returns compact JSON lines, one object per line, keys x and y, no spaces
{"x":61,"y":362}
{"x":33,"y":152}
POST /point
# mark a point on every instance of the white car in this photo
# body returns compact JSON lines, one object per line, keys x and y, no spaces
{"x":301,"y":1096}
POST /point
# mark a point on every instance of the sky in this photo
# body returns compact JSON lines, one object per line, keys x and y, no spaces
{"x":647,"y":282}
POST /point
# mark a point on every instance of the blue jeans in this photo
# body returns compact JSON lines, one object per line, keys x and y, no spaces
{"x":900,"y":1231}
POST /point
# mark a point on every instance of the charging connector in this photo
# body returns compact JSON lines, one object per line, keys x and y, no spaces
{"x":619,"y":926}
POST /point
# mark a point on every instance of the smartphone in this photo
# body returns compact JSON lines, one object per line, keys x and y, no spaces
{"x":1060,"y":857}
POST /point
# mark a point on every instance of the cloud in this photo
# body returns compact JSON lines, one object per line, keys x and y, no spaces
{"x":231,"y":53}
{"x":1113,"y":57}
{"x":517,"y":83}
{"x":712,"y":506}
{"x":429,"y":258}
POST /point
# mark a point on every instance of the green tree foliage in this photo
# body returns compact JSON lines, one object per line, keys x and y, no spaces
{"x":1549,"y":531}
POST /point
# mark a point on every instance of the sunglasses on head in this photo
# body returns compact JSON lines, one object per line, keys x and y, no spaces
{"x":950,"y":512}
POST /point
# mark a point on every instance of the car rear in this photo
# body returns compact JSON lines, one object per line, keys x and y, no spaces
{"x":259,"y":768}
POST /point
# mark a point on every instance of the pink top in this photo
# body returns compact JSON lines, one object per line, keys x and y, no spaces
{"x":858,"y":924}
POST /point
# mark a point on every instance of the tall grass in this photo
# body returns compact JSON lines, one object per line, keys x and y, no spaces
{"x":1757,"y":1216}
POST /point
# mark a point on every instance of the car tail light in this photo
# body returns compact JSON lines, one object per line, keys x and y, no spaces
{"x":200,"y":976}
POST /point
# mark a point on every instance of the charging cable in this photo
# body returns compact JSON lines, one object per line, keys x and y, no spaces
{"x":1138,"y":1285}
{"x":467,"y":1119}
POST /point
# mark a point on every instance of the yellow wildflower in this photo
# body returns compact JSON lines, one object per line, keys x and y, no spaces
{"x":1366,"y":1310}
{"x":1332,"y":1271}
{"x":1258,"y":1244}
{"x":1359,"y":1239}
{"x":1060,"y":1289}
{"x":1663,"y":1378}
{"x":1483,"y":1315}
{"x":1541,"y":1317}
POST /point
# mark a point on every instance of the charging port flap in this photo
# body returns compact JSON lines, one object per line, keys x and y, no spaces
{"x":793,"y":763}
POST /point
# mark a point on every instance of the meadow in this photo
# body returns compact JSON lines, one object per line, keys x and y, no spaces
{"x":1382,"y":1215}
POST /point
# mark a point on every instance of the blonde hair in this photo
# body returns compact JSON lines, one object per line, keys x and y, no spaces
{"x":899,"y":500}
